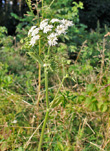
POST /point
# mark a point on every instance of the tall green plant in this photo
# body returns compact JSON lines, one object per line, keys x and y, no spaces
{"x":49,"y":31}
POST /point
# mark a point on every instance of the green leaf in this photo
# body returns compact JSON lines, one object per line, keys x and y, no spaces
{"x":36,"y":58}
{"x":100,"y":104}
{"x":92,"y":103}
{"x":81,"y":98}
{"x":15,"y":16}
{"x":87,"y":101}
{"x":104,"y":107}
{"x":57,"y":101}
{"x":20,"y":149}
{"x":67,"y":149}
{"x":90,"y":87}
{"x":60,"y":146}
{"x":93,"y":107}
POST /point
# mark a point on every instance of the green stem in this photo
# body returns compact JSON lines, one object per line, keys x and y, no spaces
{"x":46,"y":87}
{"x":43,"y":128}
{"x":47,"y":106}
{"x":48,"y":50}
{"x":40,"y":65}
{"x":42,"y":9}
{"x":51,"y":3}
{"x":52,"y":103}
{"x":39,"y":78}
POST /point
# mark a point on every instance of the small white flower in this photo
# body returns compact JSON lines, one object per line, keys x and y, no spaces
{"x":45,"y":20}
{"x":35,"y":32}
{"x":43,"y":24}
{"x":52,"y":39}
{"x":33,"y":40}
{"x":47,"y":28}
{"x":31,"y":30}
{"x":14,"y":122}
{"x":67,"y":23}
{"x":61,"y":29}
{"x":55,"y":20}
{"x":44,"y":65}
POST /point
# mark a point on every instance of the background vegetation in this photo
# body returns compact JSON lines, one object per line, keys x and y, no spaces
{"x":80,"y":121}
{"x":94,"y":11}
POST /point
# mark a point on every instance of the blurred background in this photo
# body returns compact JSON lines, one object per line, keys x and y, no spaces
{"x":94,"y":10}
{"x":7,"y":7}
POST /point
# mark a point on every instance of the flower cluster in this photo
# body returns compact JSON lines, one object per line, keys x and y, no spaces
{"x":54,"y":31}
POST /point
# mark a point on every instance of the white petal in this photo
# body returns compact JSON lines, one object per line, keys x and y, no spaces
{"x":33,"y":40}
{"x":35,"y":31}
{"x":47,"y":28}
{"x":55,"y":20}
{"x":52,"y":39}
{"x":31,"y":30}
{"x":61,"y":29}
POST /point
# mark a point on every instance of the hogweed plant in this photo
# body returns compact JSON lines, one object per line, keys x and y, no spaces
{"x":50,"y":30}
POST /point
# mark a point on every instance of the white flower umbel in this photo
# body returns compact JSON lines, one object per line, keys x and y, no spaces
{"x":43,"y":24}
{"x":52,"y":39}
{"x":55,"y":20}
{"x":47,"y":28}
{"x":31,"y":30}
{"x":61,"y":29}
{"x":33,"y":40}
{"x":67,"y":23}
{"x":35,"y":32}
